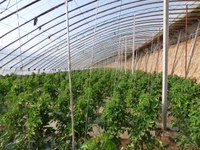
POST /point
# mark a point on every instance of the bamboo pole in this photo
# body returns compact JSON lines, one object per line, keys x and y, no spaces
{"x":70,"y":77}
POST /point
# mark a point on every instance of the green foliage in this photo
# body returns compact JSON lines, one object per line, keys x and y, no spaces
{"x":143,"y":114}
{"x":35,"y":111}
{"x":114,"y":115}
{"x":185,"y":107}
{"x":103,"y":141}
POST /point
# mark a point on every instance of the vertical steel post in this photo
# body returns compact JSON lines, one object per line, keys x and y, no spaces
{"x":70,"y":76}
{"x":133,"y":50}
{"x":165,"y":62}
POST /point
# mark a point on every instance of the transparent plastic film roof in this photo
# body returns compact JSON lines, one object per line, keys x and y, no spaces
{"x":33,"y":33}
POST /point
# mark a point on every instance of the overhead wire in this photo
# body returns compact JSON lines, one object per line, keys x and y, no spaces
{"x":34,"y":19}
{"x":26,"y":6}
{"x":90,"y":69}
{"x":6,"y":6}
{"x":2,"y":2}
{"x":19,"y":34}
{"x":81,"y":13}
{"x":4,"y":9}
{"x":118,"y":37}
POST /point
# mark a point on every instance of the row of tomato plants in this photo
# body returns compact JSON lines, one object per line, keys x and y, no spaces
{"x":131,"y":102}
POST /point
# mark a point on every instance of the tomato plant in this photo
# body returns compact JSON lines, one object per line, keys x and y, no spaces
{"x":35,"y":111}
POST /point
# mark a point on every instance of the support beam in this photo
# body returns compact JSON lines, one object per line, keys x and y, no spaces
{"x":133,"y":50}
{"x":192,"y":49}
{"x":152,"y":56}
{"x":136,"y":60}
{"x":125,"y":53}
{"x":1,"y":71}
{"x":139,"y":61}
{"x":121,"y":55}
{"x":38,"y":72}
{"x":70,"y":77}
{"x":158,"y":52}
{"x":175,"y":56}
{"x":186,"y":39}
{"x":165,"y":62}
{"x":147,"y":55}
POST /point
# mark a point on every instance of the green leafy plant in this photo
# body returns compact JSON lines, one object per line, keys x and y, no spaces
{"x":35,"y":111}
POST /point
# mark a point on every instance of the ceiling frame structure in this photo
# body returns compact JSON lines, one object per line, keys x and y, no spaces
{"x":90,"y":30}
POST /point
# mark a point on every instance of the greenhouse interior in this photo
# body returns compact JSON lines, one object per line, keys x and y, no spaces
{"x":99,"y":74}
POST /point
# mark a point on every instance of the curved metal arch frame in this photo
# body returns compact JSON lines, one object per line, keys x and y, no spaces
{"x":24,"y":51}
{"x":82,"y":58}
{"x":112,"y":21}
{"x":115,"y":12}
{"x":91,"y":43}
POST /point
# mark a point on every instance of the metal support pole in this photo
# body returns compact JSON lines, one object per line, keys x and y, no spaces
{"x":125,"y":53}
{"x":70,"y":77}
{"x":133,"y":50}
{"x":165,"y":62}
